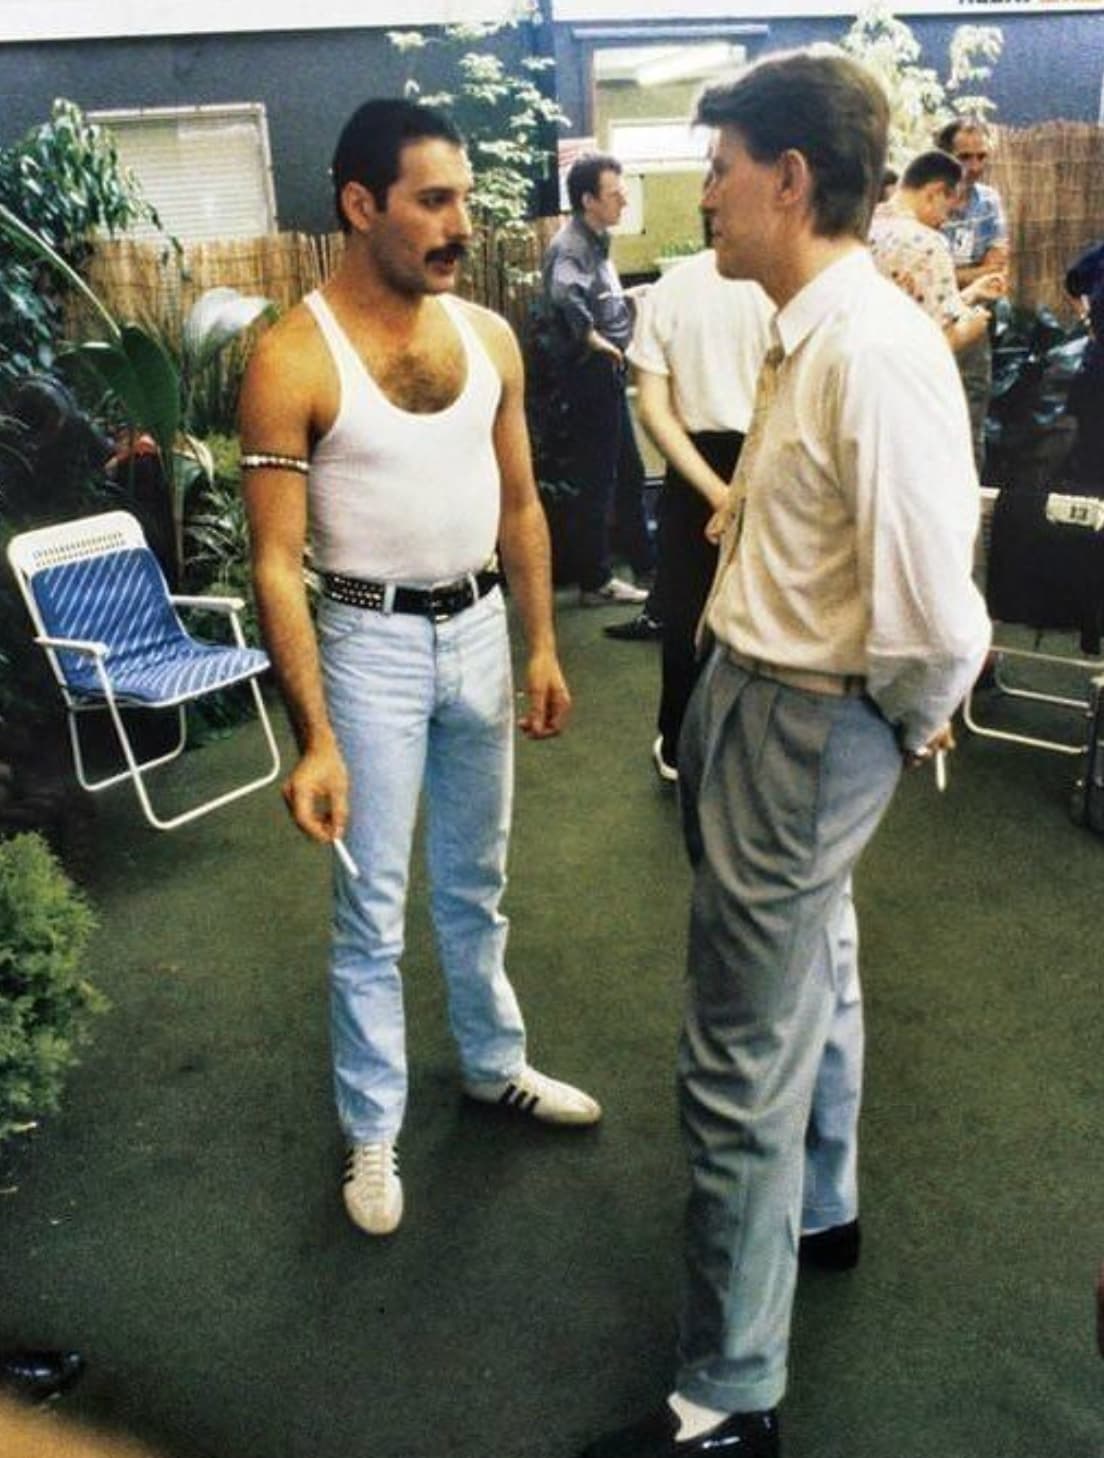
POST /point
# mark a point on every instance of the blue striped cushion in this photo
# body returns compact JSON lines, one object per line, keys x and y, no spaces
{"x":121,"y":599}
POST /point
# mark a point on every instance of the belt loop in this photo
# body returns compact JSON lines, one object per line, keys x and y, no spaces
{"x":474,"y":585}
{"x":387,"y":606}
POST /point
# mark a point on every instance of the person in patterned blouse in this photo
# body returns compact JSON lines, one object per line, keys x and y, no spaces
{"x":909,"y":249}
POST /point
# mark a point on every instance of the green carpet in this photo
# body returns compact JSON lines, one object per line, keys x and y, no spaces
{"x":181,"y":1223}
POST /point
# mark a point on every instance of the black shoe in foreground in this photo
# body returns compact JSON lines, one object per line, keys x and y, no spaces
{"x":834,"y":1249}
{"x":743,"y":1435}
{"x":641,"y":629}
{"x":38,"y":1376}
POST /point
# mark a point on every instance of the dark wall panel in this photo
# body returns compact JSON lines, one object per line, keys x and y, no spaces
{"x":310,"y":81}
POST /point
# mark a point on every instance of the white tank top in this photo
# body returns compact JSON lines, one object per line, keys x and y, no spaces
{"x":402,"y":497}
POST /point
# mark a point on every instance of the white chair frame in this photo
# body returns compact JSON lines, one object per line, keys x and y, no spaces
{"x":109,"y":532}
{"x":1084,"y":511}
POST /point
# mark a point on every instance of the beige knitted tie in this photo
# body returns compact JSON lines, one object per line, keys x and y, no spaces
{"x":766,"y":386}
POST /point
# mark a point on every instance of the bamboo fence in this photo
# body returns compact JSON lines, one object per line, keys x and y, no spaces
{"x":153,"y":283}
{"x":1051,"y":178}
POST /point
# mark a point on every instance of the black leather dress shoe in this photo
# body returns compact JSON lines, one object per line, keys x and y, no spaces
{"x":38,"y":1376}
{"x":641,"y":629}
{"x":834,"y":1249}
{"x":743,"y":1435}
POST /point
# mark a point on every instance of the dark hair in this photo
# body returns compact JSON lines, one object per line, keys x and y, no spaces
{"x":827,"y":107}
{"x":945,"y":136}
{"x":368,"y":150}
{"x":585,"y":175}
{"x":934,"y":166}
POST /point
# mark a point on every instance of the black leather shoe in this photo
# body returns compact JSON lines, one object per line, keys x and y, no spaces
{"x":38,"y":1376}
{"x":743,"y":1435}
{"x":834,"y":1249}
{"x":641,"y":629}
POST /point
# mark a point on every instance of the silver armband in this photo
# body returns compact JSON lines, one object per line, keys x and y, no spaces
{"x":266,"y":459}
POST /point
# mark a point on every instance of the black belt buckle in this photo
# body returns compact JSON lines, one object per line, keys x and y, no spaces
{"x":446,"y":602}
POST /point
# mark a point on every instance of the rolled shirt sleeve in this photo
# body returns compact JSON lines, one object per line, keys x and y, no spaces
{"x":648,"y":350}
{"x":569,"y":287}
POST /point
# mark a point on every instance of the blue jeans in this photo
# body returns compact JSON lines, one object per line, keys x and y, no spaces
{"x":413,"y":701}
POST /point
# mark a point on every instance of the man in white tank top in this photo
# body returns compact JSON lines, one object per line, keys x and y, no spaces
{"x":382,"y":420}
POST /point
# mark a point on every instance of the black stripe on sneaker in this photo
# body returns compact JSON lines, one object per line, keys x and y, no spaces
{"x":513,"y":1097}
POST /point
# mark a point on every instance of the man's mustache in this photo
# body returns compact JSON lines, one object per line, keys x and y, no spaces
{"x":451,"y":253}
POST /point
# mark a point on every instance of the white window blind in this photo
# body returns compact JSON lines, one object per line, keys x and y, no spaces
{"x":206,"y":169}
{"x":659,"y":145}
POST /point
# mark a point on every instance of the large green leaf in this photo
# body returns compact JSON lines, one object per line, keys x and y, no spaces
{"x":142,"y":377}
{"x":113,"y":370}
{"x":129,"y":373}
{"x":159,"y":383}
{"x":31,"y":242}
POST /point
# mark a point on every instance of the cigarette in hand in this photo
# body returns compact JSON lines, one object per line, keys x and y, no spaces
{"x":345,"y":858}
{"x":940,"y":769}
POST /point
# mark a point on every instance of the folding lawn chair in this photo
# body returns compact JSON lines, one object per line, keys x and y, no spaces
{"x":1072,"y":518}
{"x":110,"y":629}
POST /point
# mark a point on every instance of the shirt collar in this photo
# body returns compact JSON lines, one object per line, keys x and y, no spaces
{"x":601,"y":241}
{"x":849,"y":275}
{"x":973,"y":195}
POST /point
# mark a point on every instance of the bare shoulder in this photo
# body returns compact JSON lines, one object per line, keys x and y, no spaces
{"x":290,"y":346}
{"x":287,"y":386}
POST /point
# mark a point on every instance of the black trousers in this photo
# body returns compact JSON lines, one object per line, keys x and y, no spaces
{"x":684,"y":575}
{"x":604,"y":463}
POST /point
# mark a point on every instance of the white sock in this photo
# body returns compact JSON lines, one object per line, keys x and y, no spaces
{"x":694,"y":1420}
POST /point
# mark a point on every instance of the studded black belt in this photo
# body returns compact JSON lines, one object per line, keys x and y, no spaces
{"x":438,"y":603}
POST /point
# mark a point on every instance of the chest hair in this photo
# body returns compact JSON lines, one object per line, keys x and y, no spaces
{"x":423,"y":376}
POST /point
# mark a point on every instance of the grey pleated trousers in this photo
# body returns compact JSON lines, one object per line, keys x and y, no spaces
{"x":781,"y":790}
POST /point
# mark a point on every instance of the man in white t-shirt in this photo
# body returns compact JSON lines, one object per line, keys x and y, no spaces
{"x":696,"y":350}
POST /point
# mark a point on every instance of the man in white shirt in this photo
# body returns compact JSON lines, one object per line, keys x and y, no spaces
{"x":847,"y":630}
{"x":696,"y":350}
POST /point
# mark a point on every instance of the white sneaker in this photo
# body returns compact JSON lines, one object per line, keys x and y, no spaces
{"x":538,"y":1097}
{"x":664,"y":770}
{"x":616,"y":589}
{"x":372,"y":1188}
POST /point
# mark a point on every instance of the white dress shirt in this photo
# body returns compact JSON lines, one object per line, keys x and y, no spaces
{"x":853,"y":552}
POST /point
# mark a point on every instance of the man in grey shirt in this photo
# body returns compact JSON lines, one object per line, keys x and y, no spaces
{"x":592,"y":324}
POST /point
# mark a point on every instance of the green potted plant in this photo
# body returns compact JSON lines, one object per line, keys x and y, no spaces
{"x":46,"y":1001}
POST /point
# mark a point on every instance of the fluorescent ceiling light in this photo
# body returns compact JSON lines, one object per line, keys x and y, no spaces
{"x":688,"y":62}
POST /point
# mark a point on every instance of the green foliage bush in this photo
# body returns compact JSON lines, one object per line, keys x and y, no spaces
{"x":217,"y":536}
{"x":45,"y":1001}
{"x":64,"y":179}
{"x":508,"y":116}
